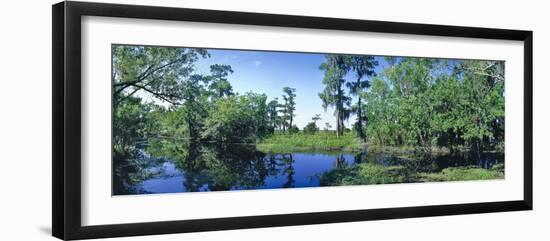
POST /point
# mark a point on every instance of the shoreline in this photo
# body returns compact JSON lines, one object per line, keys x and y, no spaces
{"x":347,"y":143}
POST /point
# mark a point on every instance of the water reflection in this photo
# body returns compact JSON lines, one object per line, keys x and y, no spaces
{"x":165,"y":166}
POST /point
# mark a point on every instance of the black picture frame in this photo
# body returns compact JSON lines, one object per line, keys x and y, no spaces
{"x":66,"y":127}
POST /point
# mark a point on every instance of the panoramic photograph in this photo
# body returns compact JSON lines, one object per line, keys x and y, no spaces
{"x":199,"y":120}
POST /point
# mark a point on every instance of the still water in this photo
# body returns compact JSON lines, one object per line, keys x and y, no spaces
{"x":208,"y":167}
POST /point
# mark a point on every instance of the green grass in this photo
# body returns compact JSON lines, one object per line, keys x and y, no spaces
{"x":406,"y":149}
{"x":462,"y":174}
{"x":303,"y":142}
{"x":327,"y":141}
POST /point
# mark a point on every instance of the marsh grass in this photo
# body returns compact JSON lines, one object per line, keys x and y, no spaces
{"x":302,"y":142}
{"x":406,"y":149}
{"x":368,"y":173}
{"x":327,"y":141}
{"x":364,"y":174}
{"x":462,"y":174}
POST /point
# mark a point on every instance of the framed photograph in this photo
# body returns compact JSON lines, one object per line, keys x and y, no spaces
{"x":170,"y":120}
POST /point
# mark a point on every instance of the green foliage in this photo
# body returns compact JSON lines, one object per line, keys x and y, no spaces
{"x":161,"y":105}
{"x":187,"y":106}
{"x":414,"y":102}
{"x":162,"y":75}
{"x":273,"y":118}
{"x":169,"y":124}
{"x":370,"y":173}
{"x":293,"y":129}
{"x":462,"y":174}
{"x":429,"y":102}
{"x":231,"y":120}
{"x":130,"y":125}
{"x":153,"y":71}
{"x":311,"y":128}
{"x":363,"y":174}
{"x":219,"y":86}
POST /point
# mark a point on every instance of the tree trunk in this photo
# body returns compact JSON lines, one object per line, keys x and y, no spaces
{"x":337,"y":123}
{"x":360,"y":120}
{"x":290,"y":124}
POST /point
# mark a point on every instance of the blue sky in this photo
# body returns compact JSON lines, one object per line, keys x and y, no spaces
{"x":268,"y":72}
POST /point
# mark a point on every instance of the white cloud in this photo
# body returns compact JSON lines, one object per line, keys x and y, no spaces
{"x":257,"y":63}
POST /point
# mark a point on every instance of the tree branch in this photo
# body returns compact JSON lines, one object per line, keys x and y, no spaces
{"x":159,"y":95}
{"x":148,"y":72}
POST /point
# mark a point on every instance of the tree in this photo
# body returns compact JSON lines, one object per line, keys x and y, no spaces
{"x":333,"y":94}
{"x":153,"y":71}
{"x":327,"y":126}
{"x":257,"y":102}
{"x":483,"y":124}
{"x":272,"y":116}
{"x":311,"y":128}
{"x":219,"y":85}
{"x":140,"y":72}
{"x":231,"y":120}
{"x":316,"y":118}
{"x":186,"y":120}
{"x":129,"y":126}
{"x":290,"y":104}
{"x":293,"y":129}
{"x":194,"y":105}
{"x":283,"y":118}
{"x":381,"y":128}
{"x":411,"y":79}
{"x":449,"y":103}
{"x":362,"y":66}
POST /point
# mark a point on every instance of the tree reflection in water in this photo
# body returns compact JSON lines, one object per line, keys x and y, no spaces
{"x":199,"y":167}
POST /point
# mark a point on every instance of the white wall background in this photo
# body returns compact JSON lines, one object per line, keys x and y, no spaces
{"x":25,"y":119}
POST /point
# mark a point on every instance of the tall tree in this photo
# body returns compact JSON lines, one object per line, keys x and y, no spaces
{"x":283,"y":118}
{"x":333,"y":94}
{"x":290,"y":103}
{"x":272,"y":114}
{"x":219,"y":85}
{"x":257,"y":103}
{"x":194,"y":105}
{"x":363,"y":67}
